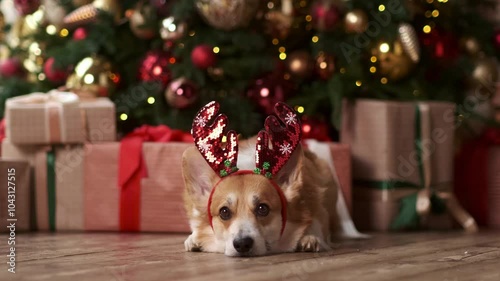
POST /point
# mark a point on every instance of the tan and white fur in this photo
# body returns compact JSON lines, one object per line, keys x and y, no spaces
{"x":310,"y":193}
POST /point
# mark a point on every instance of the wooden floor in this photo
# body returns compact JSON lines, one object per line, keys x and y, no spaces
{"x":129,"y":257}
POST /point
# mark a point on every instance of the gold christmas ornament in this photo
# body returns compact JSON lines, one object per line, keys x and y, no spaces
{"x":392,"y":61}
{"x":171,"y":30}
{"x":484,"y":77}
{"x":300,"y":64}
{"x":470,"y":45}
{"x":89,"y":13}
{"x":139,"y":21}
{"x":356,"y":21}
{"x":93,"y":77}
{"x":409,"y":40}
{"x":227,"y":15}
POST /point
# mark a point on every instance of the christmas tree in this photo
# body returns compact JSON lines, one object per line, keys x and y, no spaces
{"x":161,"y":60}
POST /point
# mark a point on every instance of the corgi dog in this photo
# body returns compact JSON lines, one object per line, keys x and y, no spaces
{"x":260,"y":196}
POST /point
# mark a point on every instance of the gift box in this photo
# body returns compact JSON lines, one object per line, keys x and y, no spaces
{"x":59,"y":192}
{"x":402,"y":163}
{"x":58,"y":183}
{"x":15,"y":195}
{"x":99,"y":119}
{"x":59,"y":117}
{"x":477,"y":177}
{"x":148,"y":200}
{"x":136,"y":184}
{"x":20,"y":152}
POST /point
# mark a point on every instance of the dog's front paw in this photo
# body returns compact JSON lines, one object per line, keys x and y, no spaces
{"x":191,"y":245}
{"x":309,"y":243}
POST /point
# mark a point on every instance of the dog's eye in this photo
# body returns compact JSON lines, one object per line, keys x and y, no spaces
{"x":225,"y":213}
{"x":262,"y":210}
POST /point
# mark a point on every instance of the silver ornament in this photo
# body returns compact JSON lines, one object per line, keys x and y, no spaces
{"x":409,"y":40}
{"x":227,"y":14}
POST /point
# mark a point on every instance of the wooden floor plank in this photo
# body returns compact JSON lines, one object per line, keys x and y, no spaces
{"x":126,"y":257}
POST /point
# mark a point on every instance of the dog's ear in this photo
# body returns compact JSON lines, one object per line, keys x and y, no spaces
{"x":292,"y":171}
{"x":199,"y":178}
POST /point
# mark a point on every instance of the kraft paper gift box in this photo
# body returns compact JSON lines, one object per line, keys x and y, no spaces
{"x":15,"y":195}
{"x":59,"y":117}
{"x":59,"y":189}
{"x":155,"y":204}
{"x":58,"y":183}
{"x":99,"y":119}
{"x":402,"y":163}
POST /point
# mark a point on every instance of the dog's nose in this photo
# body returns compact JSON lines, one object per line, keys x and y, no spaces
{"x":243,"y":245}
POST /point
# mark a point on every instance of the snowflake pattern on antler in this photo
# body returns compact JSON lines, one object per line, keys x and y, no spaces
{"x":286,"y":148}
{"x":221,"y":157}
{"x":291,"y":118}
{"x":278,"y":141}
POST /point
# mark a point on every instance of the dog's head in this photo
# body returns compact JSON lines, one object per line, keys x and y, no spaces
{"x":246,"y":209}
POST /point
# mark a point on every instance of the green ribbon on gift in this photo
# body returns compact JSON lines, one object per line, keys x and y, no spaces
{"x":51,"y":188}
{"x":409,"y":216}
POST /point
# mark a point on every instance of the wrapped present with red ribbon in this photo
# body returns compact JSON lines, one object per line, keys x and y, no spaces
{"x":477,"y":177}
{"x":136,"y":184}
{"x":59,"y":118}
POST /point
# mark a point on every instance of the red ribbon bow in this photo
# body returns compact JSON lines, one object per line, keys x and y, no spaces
{"x":132,"y":169}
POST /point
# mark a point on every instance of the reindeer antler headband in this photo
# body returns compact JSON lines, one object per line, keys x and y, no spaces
{"x":275,"y":145}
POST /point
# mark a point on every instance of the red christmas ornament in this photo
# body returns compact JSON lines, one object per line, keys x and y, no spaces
{"x":315,"y":129}
{"x":11,"y":67}
{"x":266,"y":92}
{"x":325,"y":15}
{"x":54,"y":74}
{"x":496,"y":40}
{"x":203,"y":56}
{"x":26,"y":7}
{"x":155,"y":66}
{"x":80,"y":34}
{"x":181,"y":93}
{"x":442,"y":46}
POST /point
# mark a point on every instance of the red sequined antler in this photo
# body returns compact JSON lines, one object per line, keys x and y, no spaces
{"x":278,"y":141}
{"x":208,"y":139}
